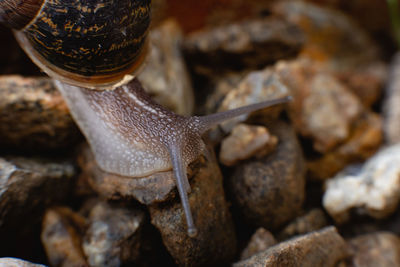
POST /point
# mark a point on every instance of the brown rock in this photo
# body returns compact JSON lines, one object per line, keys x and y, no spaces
{"x":216,"y":241}
{"x":33,"y":115}
{"x":363,"y":142}
{"x":376,"y":249}
{"x":13,"y":262}
{"x":28,"y":186}
{"x":61,"y":237}
{"x":270,"y":191}
{"x":248,"y":44}
{"x":322,"y":248}
{"x":246,"y":141}
{"x":331,"y":36}
{"x":323,"y":109}
{"x":113,"y":237}
{"x":164,"y":75}
{"x":147,"y":190}
{"x":313,"y":220}
{"x":261,"y":240}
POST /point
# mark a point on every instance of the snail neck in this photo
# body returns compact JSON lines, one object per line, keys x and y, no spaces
{"x":16,"y":14}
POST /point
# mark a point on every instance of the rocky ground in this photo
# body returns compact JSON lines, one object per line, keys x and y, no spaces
{"x":314,"y":182}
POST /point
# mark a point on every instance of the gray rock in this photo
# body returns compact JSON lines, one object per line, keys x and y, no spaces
{"x":28,"y":186}
{"x":14,"y":262}
{"x":391,"y":125}
{"x":240,"y":45}
{"x":375,"y":191}
{"x":215,"y":242}
{"x":375,"y":249}
{"x":164,"y":75}
{"x":246,"y":141}
{"x":113,"y":236}
{"x":322,"y":248}
{"x":270,"y":191}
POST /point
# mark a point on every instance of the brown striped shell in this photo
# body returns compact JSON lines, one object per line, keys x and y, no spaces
{"x":93,"y":44}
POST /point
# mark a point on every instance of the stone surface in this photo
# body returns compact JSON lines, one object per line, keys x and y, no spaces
{"x":255,"y":87}
{"x":246,"y":141}
{"x":313,"y":220}
{"x":322,"y":248}
{"x":215,"y":243}
{"x":261,"y":240}
{"x":323,"y":109}
{"x":331,"y":37}
{"x":270,"y":191}
{"x":164,"y":75}
{"x":154,"y":188}
{"x":364,"y":141}
{"x":33,"y":115}
{"x":113,"y":236}
{"x":28,"y":186}
{"x":375,"y":249}
{"x":62,"y":237}
{"x":374,"y":191}
{"x":14,"y":262}
{"x":240,"y":45}
{"x":391,"y":108}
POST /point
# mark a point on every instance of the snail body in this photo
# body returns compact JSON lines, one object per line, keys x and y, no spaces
{"x":91,"y":48}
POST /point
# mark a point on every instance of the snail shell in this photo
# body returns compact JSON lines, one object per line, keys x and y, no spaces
{"x":92,"y":44}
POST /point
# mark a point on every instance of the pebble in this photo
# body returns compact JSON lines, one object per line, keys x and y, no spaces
{"x":269,"y":191}
{"x":164,"y":75}
{"x":374,"y":191}
{"x":246,"y":141}
{"x":375,"y":249}
{"x":14,"y":262}
{"x":261,"y":240}
{"x":62,"y":237}
{"x":322,"y":248}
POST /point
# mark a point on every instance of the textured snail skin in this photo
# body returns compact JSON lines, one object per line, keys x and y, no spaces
{"x":133,"y":136}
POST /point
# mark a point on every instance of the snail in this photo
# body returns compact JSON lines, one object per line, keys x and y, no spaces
{"x":92,"y":49}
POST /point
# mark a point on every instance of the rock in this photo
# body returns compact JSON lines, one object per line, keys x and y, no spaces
{"x":255,"y":87}
{"x":376,"y":249}
{"x":113,"y":236}
{"x":334,"y":39}
{"x":28,"y":186}
{"x":261,"y":240}
{"x":331,"y":37}
{"x":154,"y":188}
{"x":240,"y":45}
{"x":215,"y":243}
{"x":314,"y":220}
{"x":374,"y":191}
{"x":322,"y":248}
{"x":62,"y":237}
{"x":13,"y":262}
{"x":164,"y":75}
{"x":391,"y":126}
{"x":364,"y":141}
{"x":33,"y":115}
{"x":270,"y":191}
{"x":323,"y":109}
{"x":246,"y":141}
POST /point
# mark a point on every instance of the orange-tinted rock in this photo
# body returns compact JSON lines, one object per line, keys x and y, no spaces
{"x":261,"y":240}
